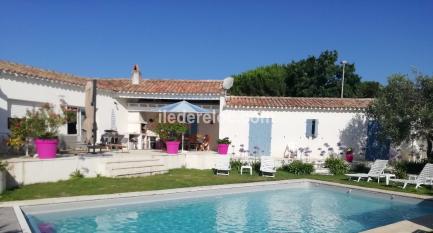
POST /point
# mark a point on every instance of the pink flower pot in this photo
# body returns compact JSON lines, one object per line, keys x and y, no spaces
{"x":223,"y":149}
{"x":172,"y":147}
{"x":46,"y":148}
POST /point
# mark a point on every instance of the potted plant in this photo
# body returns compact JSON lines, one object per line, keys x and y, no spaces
{"x":43,"y":125}
{"x":170,"y":133}
{"x":3,"y":167}
{"x":223,"y":145}
{"x":349,"y":154}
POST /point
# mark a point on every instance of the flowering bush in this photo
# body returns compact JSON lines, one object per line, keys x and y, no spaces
{"x":171,"y":131}
{"x":19,"y":133}
{"x":42,"y":123}
{"x":70,"y":114}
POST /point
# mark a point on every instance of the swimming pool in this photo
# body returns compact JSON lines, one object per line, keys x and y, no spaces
{"x":303,"y":207}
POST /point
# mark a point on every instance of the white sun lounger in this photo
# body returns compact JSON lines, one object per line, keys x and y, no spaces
{"x":376,"y":171}
{"x":222,"y":166}
{"x":267,"y":166}
{"x":425,"y":177}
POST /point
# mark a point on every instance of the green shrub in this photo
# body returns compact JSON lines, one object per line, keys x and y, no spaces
{"x":337,"y":166}
{"x":256,"y":166}
{"x":402,"y":168}
{"x":170,"y":131}
{"x":299,"y":168}
{"x":235,"y":164}
{"x":225,"y":140}
{"x":76,"y":174}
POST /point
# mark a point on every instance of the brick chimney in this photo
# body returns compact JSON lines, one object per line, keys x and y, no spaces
{"x":136,"y":75}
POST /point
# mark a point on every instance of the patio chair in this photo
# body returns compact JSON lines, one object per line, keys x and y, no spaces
{"x":425,"y":177}
{"x":222,"y":166}
{"x":267,"y":166}
{"x":376,"y":171}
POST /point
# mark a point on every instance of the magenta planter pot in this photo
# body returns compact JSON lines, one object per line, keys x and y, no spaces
{"x":46,"y":148}
{"x":223,"y":149}
{"x":172,"y":147}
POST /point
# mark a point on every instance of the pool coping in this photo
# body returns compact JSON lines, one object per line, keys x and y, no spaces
{"x":58,"y":200}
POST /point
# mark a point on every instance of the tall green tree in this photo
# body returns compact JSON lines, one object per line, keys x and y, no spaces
{"x":404,"y":110}
{"x":368,"y":89}
{"x":267,"y":80}
{"x":311,"y":77}
{"x":424,"y":125}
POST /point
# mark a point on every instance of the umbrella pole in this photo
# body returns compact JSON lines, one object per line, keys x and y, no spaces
{"x":182,"y":142}
{"x":94,"y":116}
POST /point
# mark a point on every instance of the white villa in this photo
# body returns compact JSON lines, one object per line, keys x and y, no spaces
{"x":261,"y":125}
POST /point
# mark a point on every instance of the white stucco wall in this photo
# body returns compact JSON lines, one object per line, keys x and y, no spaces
{"x":26,"y":93}
{"x":27,"y":171}
{"x":289,"y":129}
{"x":3,"y":120}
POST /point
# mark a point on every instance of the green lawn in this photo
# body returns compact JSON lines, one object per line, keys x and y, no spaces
{"x":176,"y":178}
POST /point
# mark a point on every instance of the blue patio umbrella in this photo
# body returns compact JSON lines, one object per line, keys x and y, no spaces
{"x":182,"y":107}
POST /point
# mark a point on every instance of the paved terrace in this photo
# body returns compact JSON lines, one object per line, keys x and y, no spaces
{"x":8,"y":221}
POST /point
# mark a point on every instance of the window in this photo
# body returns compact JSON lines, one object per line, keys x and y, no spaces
{"x":312,"y":129}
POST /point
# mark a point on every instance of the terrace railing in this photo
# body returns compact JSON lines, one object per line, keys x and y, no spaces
{"x":149,"y":107}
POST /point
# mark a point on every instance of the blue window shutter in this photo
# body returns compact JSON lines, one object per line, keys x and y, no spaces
{"x":308,"y":129}
{"x":316,"y":128}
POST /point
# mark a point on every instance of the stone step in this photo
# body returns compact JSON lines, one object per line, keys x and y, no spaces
{"x":114,"y":166}
{"x":127,"y":167}
{"x":130,"y":160}
{"x":143,"y":174}
{"x":138,"y":171}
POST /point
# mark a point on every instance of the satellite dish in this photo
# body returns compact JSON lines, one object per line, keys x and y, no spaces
{"x":228,"y":83}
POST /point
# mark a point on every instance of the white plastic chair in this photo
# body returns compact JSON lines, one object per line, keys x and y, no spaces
{"x":376,"y":171}
{"x":267,"y":166}
{"x":425,"y":177}
{"x":222,"y":166}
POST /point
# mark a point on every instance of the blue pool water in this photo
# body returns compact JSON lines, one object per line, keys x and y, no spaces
{"x":301,"y":209}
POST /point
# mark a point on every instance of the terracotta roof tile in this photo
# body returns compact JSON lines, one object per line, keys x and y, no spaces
{"x":41,"y":73}
{"x":294,"y":102}
{"x":213,"y":87}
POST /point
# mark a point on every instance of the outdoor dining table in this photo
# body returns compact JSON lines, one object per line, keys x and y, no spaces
{"x":195,"y":144}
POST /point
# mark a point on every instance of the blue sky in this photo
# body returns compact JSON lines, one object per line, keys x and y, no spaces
{"x":214,"y":39}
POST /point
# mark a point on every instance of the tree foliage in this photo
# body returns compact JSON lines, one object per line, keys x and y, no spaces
{"x":263,"y":81}
{"x":404,"y":110}
{"x":311,"y":77}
